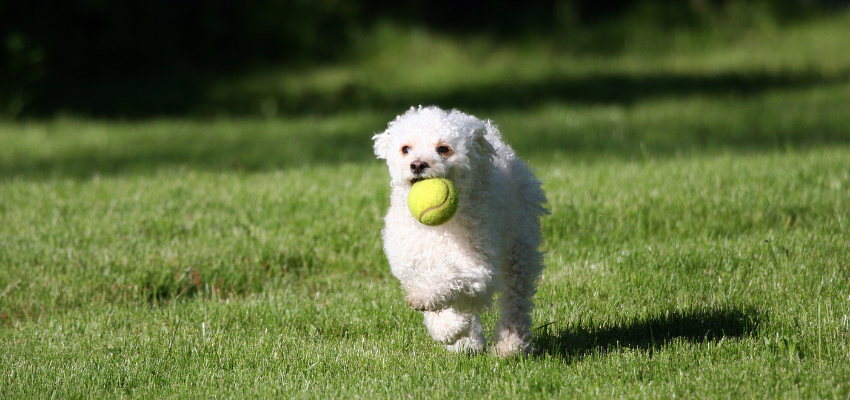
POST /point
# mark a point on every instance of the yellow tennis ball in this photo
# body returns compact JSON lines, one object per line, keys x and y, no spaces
{"x":433,"y":201}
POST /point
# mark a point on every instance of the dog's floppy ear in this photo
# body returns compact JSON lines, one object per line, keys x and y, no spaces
{"x":381,"y":144}
{"x":483,"y":144}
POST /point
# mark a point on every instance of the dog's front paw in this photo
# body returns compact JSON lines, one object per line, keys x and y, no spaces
{"x":421,"y":300}
{"x":417,"y":306}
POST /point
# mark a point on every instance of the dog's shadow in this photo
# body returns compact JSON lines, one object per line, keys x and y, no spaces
{"x":650,"y":333}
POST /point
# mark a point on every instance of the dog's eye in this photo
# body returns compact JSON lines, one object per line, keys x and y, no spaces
{"x":443,"y":150}
{"x":405,"y":149}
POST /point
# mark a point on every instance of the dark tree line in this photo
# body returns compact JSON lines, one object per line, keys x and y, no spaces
{"x":44,"y":43}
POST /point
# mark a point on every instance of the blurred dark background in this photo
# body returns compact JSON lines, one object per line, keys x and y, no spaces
{"x":80,"y":56}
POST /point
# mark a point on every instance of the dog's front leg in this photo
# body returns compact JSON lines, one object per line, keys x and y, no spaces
{"x":464,"y":289}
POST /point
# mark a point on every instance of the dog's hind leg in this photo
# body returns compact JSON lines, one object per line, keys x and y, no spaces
{"x":513,"y":331}
{"x":459,"y":332}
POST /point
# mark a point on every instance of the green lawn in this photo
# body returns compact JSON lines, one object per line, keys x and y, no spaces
{"x":698,"y":243}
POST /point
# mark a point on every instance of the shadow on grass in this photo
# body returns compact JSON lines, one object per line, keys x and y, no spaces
{"x":243,"y":149}
{"x":618,"y":89}
{"x":188,"y":94}
{"x":650,"y":334}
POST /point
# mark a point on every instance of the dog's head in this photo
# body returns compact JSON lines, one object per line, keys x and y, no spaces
{"x":428,"y":142}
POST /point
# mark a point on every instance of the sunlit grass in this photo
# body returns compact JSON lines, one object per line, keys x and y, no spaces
{"x":704,"y":276}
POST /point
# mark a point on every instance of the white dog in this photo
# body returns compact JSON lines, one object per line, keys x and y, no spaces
{"x":452,"y":271}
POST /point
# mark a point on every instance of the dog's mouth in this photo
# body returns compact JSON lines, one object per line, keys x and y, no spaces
{"x":420,"y":178}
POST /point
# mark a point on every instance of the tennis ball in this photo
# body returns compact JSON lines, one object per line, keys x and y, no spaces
{"x":432,"y":201}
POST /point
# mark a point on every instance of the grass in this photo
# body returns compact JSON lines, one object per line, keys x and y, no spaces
{"x":697,"y":246}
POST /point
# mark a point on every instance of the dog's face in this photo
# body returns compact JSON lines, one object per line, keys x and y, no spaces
{"x":428,"y":142}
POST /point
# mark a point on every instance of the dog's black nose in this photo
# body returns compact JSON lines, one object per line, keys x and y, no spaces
{"x":417,"y":167}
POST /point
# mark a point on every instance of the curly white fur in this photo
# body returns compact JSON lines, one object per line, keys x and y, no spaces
{"x":451,"y":272}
